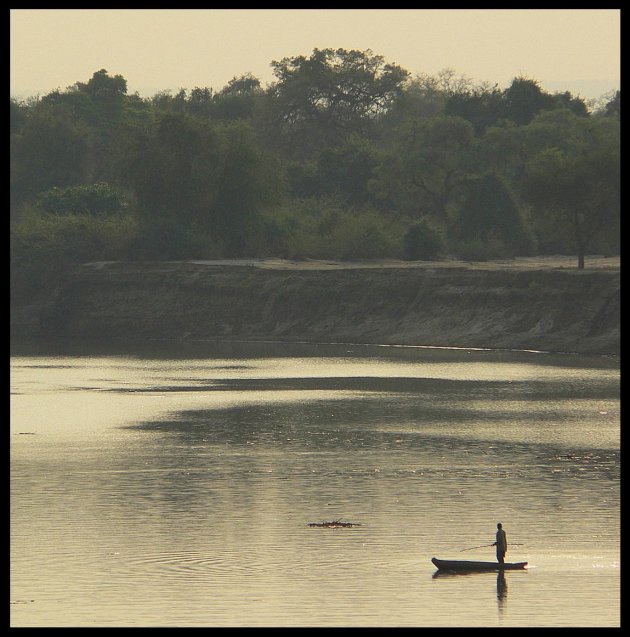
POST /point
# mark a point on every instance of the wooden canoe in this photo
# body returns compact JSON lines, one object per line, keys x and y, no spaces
{"x":466,"y":565}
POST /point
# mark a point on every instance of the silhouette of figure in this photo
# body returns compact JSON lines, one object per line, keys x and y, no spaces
{"x":501,"y":544}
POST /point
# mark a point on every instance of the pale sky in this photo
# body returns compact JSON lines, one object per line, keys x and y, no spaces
{"x":160,"y":49}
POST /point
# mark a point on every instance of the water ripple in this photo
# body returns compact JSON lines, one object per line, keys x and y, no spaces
{"x":184,"y":564}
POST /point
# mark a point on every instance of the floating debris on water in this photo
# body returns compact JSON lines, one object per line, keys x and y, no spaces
{"x":334,"y":524}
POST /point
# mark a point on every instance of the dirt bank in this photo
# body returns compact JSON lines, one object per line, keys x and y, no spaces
{"x":523,"y":304}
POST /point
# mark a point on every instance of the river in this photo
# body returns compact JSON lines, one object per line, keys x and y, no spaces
{"x":174,"y":484}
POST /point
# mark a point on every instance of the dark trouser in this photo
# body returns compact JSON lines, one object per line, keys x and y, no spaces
{"x":500,"y":556}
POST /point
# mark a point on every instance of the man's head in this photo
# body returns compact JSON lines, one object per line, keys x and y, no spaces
{"x":499,"y":525}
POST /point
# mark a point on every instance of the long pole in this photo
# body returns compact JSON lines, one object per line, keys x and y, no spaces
{"x":472,"y":548}
{"x":483,"y":546}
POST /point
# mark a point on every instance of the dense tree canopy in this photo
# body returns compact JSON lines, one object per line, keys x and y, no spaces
{"x":342,"y":155}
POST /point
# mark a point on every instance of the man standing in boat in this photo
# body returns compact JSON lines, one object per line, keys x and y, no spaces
{"x":501,"y":544}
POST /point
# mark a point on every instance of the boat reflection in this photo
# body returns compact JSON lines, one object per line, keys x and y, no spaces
{"x":501,"y":581}
{"x":502,"y":587}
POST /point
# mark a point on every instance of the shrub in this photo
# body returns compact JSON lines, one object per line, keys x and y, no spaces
{"x":361,"y":235}
{"x":326,"y":228}
{"x":99,"y":200}
{"x":477,"y":249}
{"x":170,"y":239}
{"x":44,"y":245}
{"x":422,"y":242}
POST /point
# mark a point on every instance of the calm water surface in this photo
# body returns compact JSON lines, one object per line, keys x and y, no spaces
{"x":173,"y":485}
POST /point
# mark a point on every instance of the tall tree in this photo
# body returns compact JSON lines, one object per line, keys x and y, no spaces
{"x":238,"y":99}
{"x":189,"y":174}
{"x":613,"y":107}
{"x":199,"y":102}
{"x":524,"y":99}
{"x":107,"y":93}
{"x":430,"y":159}
{"x":332,"y":93}
{"x":578,"y":189}
{"x":50,"y":150}
{"x":490,"y":212}
{"x":482,"y":106}
{"x":173,"y":169}
{"x":506,"y":148}
{"x":249,"y":182}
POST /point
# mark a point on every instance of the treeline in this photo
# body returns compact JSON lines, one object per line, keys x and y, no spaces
{"x":343,"y":156}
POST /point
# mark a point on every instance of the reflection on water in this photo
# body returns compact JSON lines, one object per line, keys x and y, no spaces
{"x":175,"y":486}
{"x":502,"y":590}
{"x":502,"y":584}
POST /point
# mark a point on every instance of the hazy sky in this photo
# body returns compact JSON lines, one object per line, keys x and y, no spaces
{"x":157,"y":49}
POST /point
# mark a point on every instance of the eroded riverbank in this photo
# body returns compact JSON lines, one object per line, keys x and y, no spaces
{"x":521,"y":304}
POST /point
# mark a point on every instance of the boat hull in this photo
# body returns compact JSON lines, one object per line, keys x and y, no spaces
{"x":467,"y":565}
